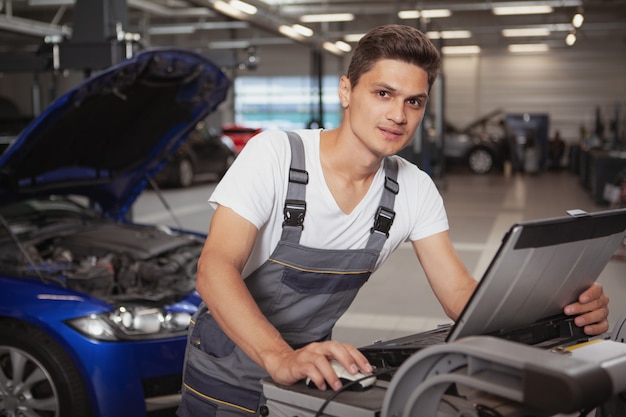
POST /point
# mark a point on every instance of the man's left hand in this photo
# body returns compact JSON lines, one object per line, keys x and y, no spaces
{"x":592,"y":309}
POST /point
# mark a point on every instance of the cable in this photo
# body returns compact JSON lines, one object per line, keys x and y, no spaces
{"x":345,"y":387}
{"x":486,"y":411}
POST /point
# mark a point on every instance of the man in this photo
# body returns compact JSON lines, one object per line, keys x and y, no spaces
{"x":300,"y":224}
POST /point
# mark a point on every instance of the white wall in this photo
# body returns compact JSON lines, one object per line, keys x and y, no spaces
{"x":565,"y":85}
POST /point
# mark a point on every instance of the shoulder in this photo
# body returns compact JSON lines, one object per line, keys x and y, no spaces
{"x":409,"y":172}
{"x":276,"y":139}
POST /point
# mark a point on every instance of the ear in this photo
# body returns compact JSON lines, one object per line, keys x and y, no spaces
{"x":344,"y":91}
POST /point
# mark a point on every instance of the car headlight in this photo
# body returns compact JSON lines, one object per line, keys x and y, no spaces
{"x":133,"y":323}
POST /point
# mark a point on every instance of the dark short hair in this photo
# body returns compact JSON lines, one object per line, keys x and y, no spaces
{"x":399,"y":42}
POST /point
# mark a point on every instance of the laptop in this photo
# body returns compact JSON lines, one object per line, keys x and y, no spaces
{"x":539,"y":268}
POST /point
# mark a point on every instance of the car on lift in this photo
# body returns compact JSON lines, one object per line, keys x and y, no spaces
{"x":94,"y":308}
{"x":205,"y":155}
{"x":481,"y":145}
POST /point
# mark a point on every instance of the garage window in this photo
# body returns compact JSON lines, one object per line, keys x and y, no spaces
{"x":285,"y":102}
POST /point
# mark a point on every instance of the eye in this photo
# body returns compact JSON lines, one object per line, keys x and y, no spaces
{"x":382,"y":93}
{"x":414,"y":102}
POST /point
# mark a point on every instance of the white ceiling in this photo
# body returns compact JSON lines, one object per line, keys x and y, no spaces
{"x":196,"y":24}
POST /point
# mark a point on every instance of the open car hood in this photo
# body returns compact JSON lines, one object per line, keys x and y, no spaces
{"x":106,"y":137}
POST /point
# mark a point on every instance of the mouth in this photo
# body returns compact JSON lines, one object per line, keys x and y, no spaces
{"x":391,"y":133}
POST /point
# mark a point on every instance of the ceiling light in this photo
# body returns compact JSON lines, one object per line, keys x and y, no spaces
{"x":228,"y":9}
{"x":290,"y":32}
{"x":230,"y":44}
{"x":427,"y":14}
{"x":343,"y":46}
{"x":243,"y":6}
{"x":522,"y":10}
{"x":449,"y":34}
{"x":353,"y":37}
{"x":513,"y":33}
{"x":570,"y":39}
{"x":332,"y":17}
{"x":409,"y":14}
{"x":528,"y":47}
{"x":577,"y":20}
{"x":303,"y":30}
{"x":435,"y":13}
{"x":172,"y":30}
{"x":331,"y":47}
{"x":460,"y":50}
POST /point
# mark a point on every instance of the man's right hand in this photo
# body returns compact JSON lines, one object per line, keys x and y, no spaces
{"x":312,"y":361}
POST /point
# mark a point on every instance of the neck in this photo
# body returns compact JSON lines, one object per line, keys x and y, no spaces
{"x":345,"y":156}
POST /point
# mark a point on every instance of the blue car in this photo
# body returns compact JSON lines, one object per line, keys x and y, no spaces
{"x":94,"y":308}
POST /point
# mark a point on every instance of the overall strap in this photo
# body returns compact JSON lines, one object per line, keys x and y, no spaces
{"x":295,"y":203}
{"x":385,"y":214}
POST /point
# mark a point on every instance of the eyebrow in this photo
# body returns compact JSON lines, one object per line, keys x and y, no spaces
{"x":423,"y":96}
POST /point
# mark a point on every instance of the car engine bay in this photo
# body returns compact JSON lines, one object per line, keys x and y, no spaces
{"x":109,"y":260}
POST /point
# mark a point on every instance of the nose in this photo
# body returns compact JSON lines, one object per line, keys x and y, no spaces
{"x":396,"y":112}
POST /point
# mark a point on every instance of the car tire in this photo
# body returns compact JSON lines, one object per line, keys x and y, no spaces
{"x":184,"y":173}
{"x":480,"y":161}
{"x":38,"y":378}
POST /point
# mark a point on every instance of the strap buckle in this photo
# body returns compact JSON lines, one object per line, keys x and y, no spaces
{"x":383,"y":221}
{"x":294,"y":213}
{"x":392,"y":185}
{"x":299,"y":176}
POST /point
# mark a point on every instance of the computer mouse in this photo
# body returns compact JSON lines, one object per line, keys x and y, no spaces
{"x":346,"y":377}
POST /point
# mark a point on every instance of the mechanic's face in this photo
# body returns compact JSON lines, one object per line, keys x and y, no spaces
{"x":386,"y":106}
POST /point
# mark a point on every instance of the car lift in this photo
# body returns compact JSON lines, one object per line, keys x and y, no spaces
{"x":479,"y":376}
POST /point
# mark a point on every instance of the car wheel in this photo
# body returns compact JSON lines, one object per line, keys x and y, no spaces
{"x":37,"y":377}
{"x":185,"y":173}
{"x":480,"y":161}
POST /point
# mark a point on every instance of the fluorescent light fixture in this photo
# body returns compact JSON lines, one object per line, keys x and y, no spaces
{"x":435,"y":13}
{"x":528,"y":47}
{"x":332,"y":17}
{"x":234,"y":44}
{"x":228,"y":9}
{"x":243,"y":6}
{"x":303,"y":30}
{"x":461,"y":50}
{"x":171,"y":30}
{"x":449,"y":34}
{"x":51,"y":2}
{"x":427,"y":14}
{"x":337,"y":48}
{"x":570,"y":39}
{"x":331,"y":47}
{"x":342,"y":46}
{"x":289,"y":31}
{"x":353,"y":37}
{"x":409,"y":14}
{"x":577,"y":20}
{"x":542,"y":9}
{"x":522,"y":32}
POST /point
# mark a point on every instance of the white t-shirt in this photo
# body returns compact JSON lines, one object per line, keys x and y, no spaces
{"x":255,"y":187}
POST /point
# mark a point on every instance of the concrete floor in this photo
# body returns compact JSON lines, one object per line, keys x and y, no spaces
{"x":397,"y":300}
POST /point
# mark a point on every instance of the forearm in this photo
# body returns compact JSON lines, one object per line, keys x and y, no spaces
{"x":448,"y":277}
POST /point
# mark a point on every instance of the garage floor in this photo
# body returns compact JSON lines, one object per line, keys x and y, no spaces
{"x":397,"y":300}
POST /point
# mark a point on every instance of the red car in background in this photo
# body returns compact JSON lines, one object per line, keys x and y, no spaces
{"x":239,"y":134}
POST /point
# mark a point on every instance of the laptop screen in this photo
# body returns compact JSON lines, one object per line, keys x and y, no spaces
{"x":540,"y":267}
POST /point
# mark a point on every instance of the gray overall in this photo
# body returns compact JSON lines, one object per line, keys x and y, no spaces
{"x":301,"y":290}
